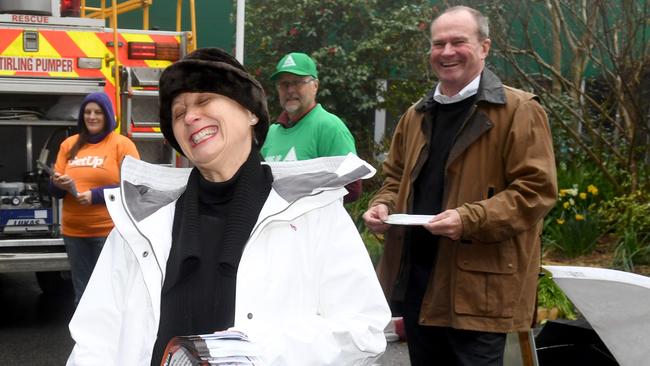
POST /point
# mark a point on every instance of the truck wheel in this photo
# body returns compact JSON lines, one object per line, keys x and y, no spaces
{"x":53,"y":283}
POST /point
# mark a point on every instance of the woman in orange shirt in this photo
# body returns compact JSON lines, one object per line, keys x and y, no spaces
{"x":86,"y":164}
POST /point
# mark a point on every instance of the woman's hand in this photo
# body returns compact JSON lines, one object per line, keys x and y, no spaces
{"x":63,"y":181}
{"x":85,"y":198}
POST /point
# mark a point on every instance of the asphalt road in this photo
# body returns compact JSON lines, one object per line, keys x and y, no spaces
{"x":33,"y":326}
{"x":396,"y":354}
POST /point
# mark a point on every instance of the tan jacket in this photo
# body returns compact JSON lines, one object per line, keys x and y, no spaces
{"x":500,"y":177}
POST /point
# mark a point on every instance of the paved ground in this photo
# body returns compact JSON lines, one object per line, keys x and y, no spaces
{"x":33,"y":326}
{"x":396,"y":355}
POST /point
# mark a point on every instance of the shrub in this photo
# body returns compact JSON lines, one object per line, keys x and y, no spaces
{"x":550,"y":296}
{"x":629,"y":218}
{"x":573,"y":227}
{"x":374,"y":243}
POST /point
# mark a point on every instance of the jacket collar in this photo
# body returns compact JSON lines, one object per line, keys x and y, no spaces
{"x":148,"y":187}
{"x":490,"y":90}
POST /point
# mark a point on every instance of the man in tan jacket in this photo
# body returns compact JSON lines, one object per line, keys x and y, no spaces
{"x":478,"y":155}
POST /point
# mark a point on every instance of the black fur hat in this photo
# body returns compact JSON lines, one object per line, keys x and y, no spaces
{"x":212,"y":70}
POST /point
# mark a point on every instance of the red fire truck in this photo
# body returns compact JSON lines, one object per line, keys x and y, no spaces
{"x":53,"y":53}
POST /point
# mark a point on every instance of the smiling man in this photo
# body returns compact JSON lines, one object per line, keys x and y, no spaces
{"x":479,"y":156}
{"x":305,"y":130}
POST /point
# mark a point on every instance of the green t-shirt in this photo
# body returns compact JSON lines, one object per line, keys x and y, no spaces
{"x":319,"y":133}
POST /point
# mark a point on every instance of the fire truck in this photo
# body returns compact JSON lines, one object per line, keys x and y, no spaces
{"x":52,"y":54}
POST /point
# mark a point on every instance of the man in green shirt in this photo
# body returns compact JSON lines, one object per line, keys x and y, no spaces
{"x":304,"y":129}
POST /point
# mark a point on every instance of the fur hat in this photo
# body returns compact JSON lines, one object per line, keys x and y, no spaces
{"x":212,"y":70}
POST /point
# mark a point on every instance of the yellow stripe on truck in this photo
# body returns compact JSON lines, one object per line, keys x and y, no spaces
{"x":47,"y":58}
{"x":45,"y":49}
{"x":93,"y":46}
{"x":14,"y":48}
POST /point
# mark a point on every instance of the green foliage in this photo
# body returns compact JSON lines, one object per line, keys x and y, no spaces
{"x":550,"y":296}
{"x":356,"y":43}
{"x":632,"y":248}
{"x":374,"y":243}
{"x":564,"y":145}
{"x":629,"y":216}
{"x":631,"y":210}
{"x":574,"y":166}
{"x":358,"y":207}
{"x":403,"y":93}
{"x":573,"y":227}
{"x":588,"y":62}
{"x":578,"y":171}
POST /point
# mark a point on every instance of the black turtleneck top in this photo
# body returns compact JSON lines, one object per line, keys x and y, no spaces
{"x":212,"y":224}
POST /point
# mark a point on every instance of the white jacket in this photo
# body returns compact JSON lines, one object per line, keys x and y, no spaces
{"x":307,"y":293}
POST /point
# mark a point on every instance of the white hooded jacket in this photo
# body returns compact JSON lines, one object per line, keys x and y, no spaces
{"x":306,"y":291}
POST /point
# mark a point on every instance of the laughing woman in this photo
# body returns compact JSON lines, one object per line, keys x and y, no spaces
{"x":233,"y":242}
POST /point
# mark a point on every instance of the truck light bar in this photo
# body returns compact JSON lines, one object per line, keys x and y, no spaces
{"x":70,"y":8}
{"x":154,"y":51}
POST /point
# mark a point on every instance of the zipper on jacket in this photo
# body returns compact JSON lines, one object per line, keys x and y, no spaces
{"x":269,"y":219}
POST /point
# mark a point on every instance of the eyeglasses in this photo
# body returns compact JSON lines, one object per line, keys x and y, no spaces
{"x":296,"y":83}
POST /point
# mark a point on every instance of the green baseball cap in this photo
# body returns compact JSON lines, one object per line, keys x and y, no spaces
{"x":296,"y":63}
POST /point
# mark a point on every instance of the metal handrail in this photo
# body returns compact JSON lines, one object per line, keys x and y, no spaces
{"x":179,"y":16}
{"x":126,"y":6}
{"x":116,"y":45}
{"x":104,"y":12}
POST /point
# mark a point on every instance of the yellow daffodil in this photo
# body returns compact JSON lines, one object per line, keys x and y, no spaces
{"x":560,"y":221}
{"x":592,"y":189}
{"x":566,"y":205}
{"x":579,"y":217}
{"x":583,"y":196}
{"x":569,"y":191}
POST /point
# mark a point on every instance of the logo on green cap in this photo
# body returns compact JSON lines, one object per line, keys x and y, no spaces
{"x":288,"y":62}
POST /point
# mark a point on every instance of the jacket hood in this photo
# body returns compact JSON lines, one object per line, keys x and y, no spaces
{"x":148,"y":187}
{"x":104,"y":102}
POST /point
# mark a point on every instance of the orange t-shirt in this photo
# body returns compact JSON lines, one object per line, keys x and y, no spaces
{"x":95,"y":165}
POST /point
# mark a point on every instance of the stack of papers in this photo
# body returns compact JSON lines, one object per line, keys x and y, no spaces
{"x":226,"y":348}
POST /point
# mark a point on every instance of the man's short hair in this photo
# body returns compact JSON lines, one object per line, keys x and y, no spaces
{"x":481,"y":20}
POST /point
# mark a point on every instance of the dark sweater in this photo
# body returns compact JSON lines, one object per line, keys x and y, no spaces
{"x":428,"y":189}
